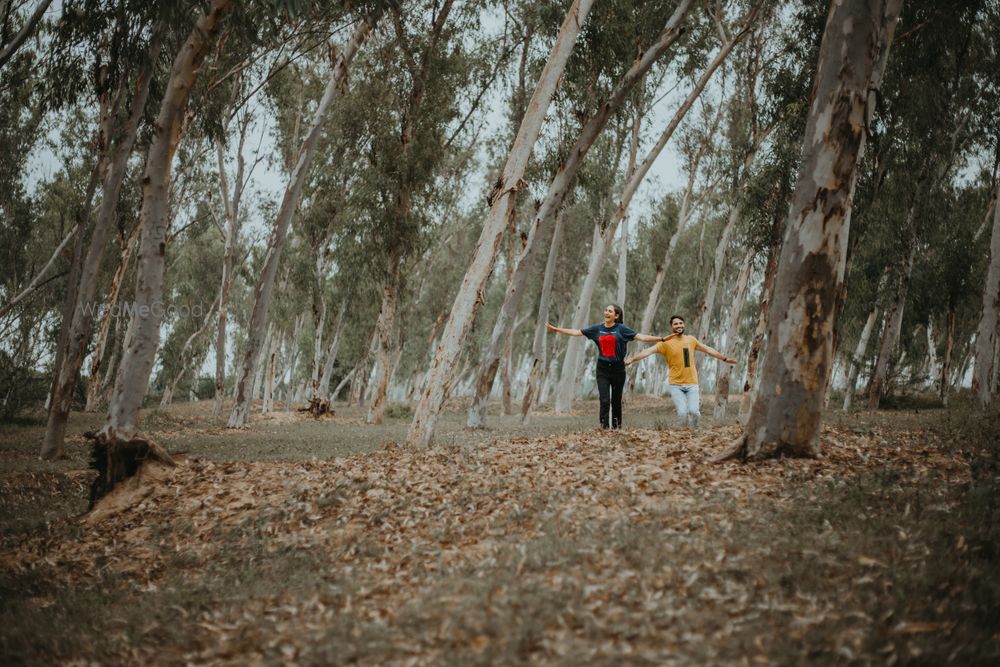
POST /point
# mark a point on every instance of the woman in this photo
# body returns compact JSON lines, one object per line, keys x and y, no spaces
{"x":611,"y":337}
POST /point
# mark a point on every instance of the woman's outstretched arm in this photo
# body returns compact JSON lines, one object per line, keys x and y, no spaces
{"x":568,"y":332}
{"x":646,"y":338}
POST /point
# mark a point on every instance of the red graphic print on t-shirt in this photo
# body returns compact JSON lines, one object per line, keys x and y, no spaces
{"x":607,"y":343}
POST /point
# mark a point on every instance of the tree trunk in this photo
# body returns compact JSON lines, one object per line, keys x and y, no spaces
{"x":684,"y":215}
{"x":97,"y":380}
{"x":786,"y":414}
{"x":293,"y":357}
{"x":143,"y":335}
{"x":321,"y":391}
{"x":983,"y":386}
{"x":633,"y":150}
{"x":385,"y":330}
{"x":857,"y":359}
{"x":949,"y":348}
{"x":188,"y":357}
{"x":538,"y":346}
{"x":470,"y":295}
{"x":10,"y":48}
{"x":557,"y":191}
{"x":568,"y":379}
{"x":80,"y":325}
{"x":704,"y":315}
{"x":232,"y":213}
{"x":756,"y":344}
{"x":724,"y":369}
{"x":289,"y":202}
{"x":890,"y":332}
{"x":36,"y":281}
{"x":258,"y":379}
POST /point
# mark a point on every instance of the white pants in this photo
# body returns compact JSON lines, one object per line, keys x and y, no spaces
{"x":687,"y":400}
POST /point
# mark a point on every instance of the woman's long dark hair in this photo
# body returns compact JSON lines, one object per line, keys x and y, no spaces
{"x":619,"y":313}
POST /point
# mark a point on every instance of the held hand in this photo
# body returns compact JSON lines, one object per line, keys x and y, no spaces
{"x":629,"y":361}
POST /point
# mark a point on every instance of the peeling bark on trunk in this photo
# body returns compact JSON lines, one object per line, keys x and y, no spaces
{"x":98,"y":380}
{"x":786,"y":414}
{"x":756,"y":344}
{"x":385,"y":330}
{"x":143,"y":335}
{"x":470,"y":295}
{"x":724,"y":369}
{"x":289,"y":202}
{"x":983,"y":386}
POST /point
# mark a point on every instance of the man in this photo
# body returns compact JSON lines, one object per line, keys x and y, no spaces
{"x":678,"y":350}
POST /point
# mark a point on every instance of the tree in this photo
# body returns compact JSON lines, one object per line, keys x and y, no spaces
{"x":289,"y":202}
{"x":143,"y":333}
{"x":501,"y":200}
{"x":786,"y":414}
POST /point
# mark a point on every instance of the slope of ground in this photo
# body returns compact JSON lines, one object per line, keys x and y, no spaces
{"x":576,"y":547}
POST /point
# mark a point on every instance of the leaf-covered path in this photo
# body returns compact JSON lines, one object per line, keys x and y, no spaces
{"x":586,"y":548}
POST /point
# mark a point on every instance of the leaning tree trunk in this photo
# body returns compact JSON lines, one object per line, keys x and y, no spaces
{"x":633,"y":150}
{"x":81,"y":323}
{"x":724,"y":369}
{"x":82,"y":271}
{"x":569,"y":370}
{"x":117,"y":443}
{"x":858,"y":358}
{"x":143,"y":335}
{"x":558,"y":188}
{"x":757,"y":342}
{"x":986,"y":337}
{"x":96,"y":380}
{"x":704,"y":315}
{"x":538,"y":347}
{"x":289,"y":202}
{"x":189,"y":356}
{"x":470,"y":295}
{"x":786,"y":414}
{"x":687,"y":207}
{"x":890,"y":333}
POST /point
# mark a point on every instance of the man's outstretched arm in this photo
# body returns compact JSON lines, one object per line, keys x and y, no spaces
{"x":712,"y":352}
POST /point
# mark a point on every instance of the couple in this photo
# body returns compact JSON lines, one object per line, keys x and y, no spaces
{"x":611,"y":338}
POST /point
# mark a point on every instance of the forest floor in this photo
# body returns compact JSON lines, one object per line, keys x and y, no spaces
{"x":301,"y":541}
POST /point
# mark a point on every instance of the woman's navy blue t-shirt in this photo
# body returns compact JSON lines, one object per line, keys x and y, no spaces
{"x":611,"y":341}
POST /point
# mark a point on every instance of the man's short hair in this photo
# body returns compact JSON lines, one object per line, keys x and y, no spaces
{"x":676,"y":317}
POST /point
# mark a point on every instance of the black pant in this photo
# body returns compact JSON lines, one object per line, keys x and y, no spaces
{"x":610,"y":383}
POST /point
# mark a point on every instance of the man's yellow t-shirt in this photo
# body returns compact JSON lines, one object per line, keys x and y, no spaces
{"x":679,"y":353}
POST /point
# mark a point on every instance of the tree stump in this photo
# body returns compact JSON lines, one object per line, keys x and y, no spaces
{"x":116,"y":459}
{"x":318,"y":407}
